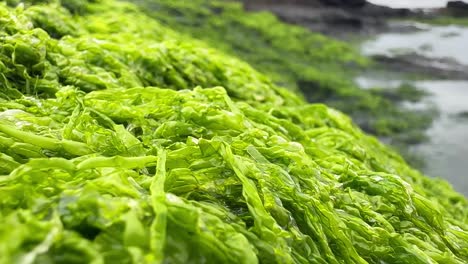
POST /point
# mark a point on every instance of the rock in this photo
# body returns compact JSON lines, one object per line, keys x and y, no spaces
{"x":414,"y":63}
{"x":337,"y":18}
{"x":463,"y":115}
{"x":457,"y":8}
{"x":344,"y":3}
{"x":457,"y":5}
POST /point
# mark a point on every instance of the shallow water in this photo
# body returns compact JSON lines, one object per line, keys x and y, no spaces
{"x":434,"y":42}
{"x":411,"y":3}
{"x":446,"y":154}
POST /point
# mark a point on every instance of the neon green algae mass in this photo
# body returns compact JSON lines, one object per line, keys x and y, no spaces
{"x":123,"y":141}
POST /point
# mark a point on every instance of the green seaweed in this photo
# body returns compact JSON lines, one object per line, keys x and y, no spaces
{"x":322,"y":68}
{"x":114,"y":149}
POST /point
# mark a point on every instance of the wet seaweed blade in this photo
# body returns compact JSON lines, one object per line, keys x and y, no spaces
{"x":126,"y":142}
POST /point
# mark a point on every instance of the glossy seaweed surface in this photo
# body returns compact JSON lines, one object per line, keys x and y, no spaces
{"x":293,"y":57}
{"x":123,"y":141}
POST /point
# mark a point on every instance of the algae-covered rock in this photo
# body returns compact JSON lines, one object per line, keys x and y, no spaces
{"x":123,"y":141}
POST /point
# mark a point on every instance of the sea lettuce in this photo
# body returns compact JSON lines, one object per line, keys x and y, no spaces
{"x":123,"y":141}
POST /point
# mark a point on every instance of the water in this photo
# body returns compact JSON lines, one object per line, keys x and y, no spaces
{"x":447,"y":152}
{"x":411,"y":3}
{"x":434,"y":42}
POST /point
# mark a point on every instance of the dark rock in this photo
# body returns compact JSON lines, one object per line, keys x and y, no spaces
{"x":383,"y":12}
{"x":338,"y":18}
{"x":463,"y":115}
{"x":457,"y":8}
{"x":457,"y":5}
{"x":443,"y":68}
{"x":344,"y":3}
